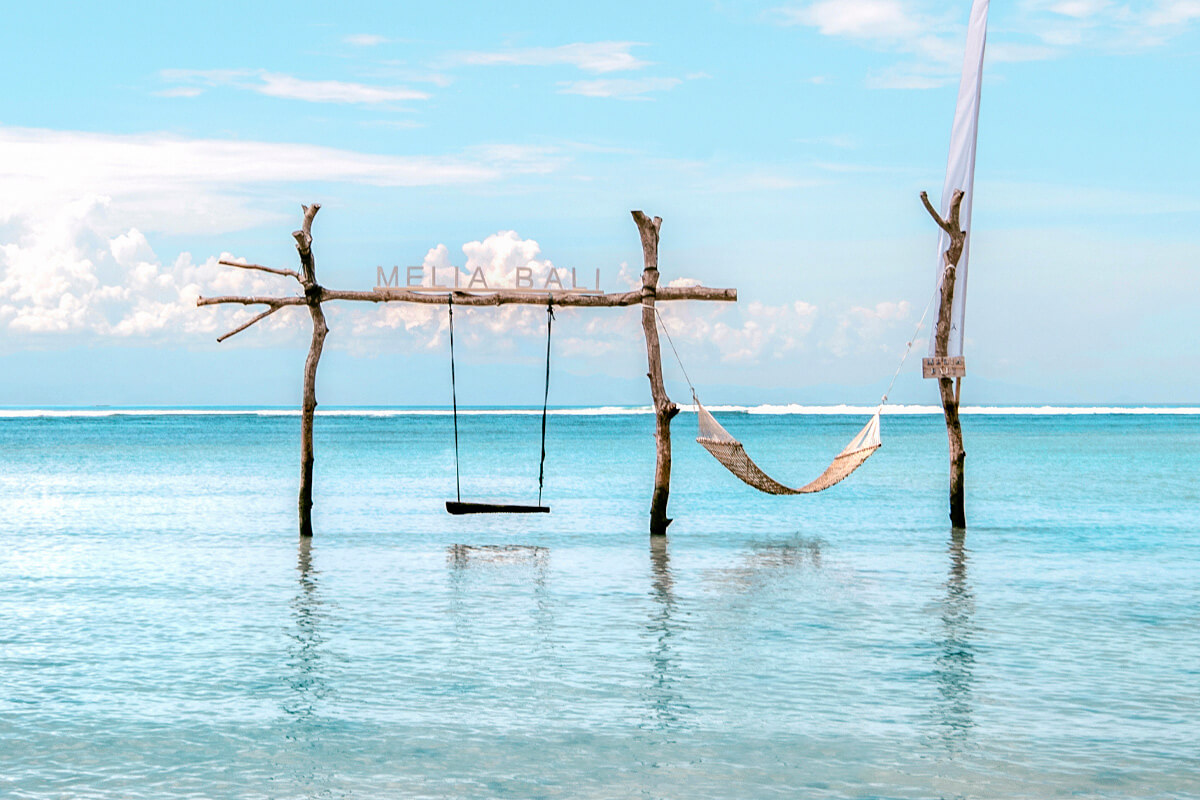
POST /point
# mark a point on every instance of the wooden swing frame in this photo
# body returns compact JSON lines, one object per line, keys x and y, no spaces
{"x":315,"y":295}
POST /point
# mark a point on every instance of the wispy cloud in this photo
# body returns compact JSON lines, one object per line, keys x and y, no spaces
{"x":1174,"y":12}
{"x":900,"y":26}
{"x":1080,"y":9}
{"x":160,"y":182}
{"x":860,"y":19}
{"x":908,"y":77}
{"x":1105,"y":25}
{"x":1050,"y":201}
{"x":181,"y":91}
{"x":597,"y":57}
{"x":930,"y":36}
{"x":1012,"y":52}
{"x":842,"y":142}
{"x":623,"y":88}
{"x":395,"y":124}
{"x":365,"y":39}
{"x":848,"y":168}
{"x":863,"y":329}
{"x":394,"y":70}
{"x":333,"y":91}
{"x":274,"y":84}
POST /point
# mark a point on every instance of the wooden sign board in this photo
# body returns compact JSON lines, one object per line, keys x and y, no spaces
{"x":943,"y":367}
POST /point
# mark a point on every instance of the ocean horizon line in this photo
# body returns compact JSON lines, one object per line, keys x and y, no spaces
{"x":769,"y":409}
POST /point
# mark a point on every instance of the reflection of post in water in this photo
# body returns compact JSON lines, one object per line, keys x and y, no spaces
{"x":660,"y":563}
{"x":308,"y":684}
{"x":956,"y":655}
{"x":664,"y":697}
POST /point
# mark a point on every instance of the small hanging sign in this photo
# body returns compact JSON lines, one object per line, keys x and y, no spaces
{"x":943,"y":367}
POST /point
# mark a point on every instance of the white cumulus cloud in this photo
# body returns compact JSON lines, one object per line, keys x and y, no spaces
{"x":64,"y":274}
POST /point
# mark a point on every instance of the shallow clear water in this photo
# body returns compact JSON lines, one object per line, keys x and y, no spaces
{"x":162,"y":633}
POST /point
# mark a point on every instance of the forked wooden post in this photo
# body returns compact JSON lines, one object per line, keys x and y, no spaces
{"x":950,"y":388}
{"x":664,"y":409}
{"x":312,"y":298}
{"x":315,"y":295}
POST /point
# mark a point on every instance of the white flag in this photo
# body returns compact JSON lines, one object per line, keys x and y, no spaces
{"x":960,"y":168}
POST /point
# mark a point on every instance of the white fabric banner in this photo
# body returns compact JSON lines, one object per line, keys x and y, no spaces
{"x":960,"y":168}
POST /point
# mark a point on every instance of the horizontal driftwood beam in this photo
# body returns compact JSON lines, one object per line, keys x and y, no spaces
{"x":502,"y":297}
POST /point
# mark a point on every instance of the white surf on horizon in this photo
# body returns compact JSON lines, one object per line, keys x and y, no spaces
{"x":598,"y":411}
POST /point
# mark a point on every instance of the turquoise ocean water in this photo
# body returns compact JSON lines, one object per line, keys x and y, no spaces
{"x":164,"y":635}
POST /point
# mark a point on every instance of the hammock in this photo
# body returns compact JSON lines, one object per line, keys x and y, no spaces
{"x":729,"y":451}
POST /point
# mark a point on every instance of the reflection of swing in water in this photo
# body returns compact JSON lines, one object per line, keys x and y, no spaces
{"x":457,"y":506}
{"x":461,"y":556}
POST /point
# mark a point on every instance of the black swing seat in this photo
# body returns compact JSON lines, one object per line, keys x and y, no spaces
{"x":459,"y":507}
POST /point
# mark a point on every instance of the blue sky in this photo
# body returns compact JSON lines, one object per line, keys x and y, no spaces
{"x":784,"y":144}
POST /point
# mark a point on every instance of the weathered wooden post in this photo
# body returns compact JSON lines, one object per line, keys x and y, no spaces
{"x":949,"y":371}
{"x":664,"y":409}
{"x":312,"y":298}
{"x":313,"y":295}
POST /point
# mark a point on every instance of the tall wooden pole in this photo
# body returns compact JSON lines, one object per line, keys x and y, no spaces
{"x":950,"y":388}
{"x":664,"y":409}
{"x":312,"y":298}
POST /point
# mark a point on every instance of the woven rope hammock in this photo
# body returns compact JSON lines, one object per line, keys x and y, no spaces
{"x":732,"y":455}
{"x":729,"y":451}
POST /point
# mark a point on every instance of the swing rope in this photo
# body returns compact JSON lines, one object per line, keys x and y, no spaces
{"x":545,"y":397}
{"x":545,"y":400}
{"x":670,"y":341}
{"x":937,"y":287}
{"x":454,"y":400}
